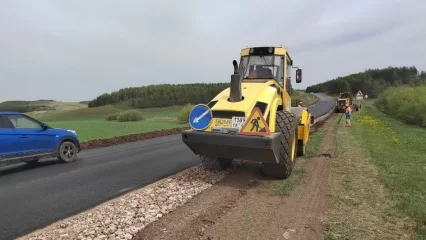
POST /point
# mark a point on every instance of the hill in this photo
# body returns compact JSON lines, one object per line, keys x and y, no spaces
{"x":39,"y":107}
{"x":372,"y":81}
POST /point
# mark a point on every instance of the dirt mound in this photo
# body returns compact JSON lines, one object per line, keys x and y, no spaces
{"x":97,"y":143}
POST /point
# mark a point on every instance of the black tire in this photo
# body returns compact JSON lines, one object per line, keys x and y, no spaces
{"x":215,"y":163}
{"x":287,"y":124}
{"x":67,"y":152}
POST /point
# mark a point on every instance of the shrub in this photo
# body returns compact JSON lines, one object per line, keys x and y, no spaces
{"x":404,"y":103}
{"x":184,"y":113}
{"x":130,"y":116}
{"x":112,"y":117}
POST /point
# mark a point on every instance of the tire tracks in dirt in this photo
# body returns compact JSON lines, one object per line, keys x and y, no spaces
{"x":237,"y":207}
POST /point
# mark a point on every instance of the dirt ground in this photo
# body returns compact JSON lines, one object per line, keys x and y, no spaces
{"x":238,"y":207}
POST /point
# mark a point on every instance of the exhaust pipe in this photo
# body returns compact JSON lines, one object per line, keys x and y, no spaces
{"x":235,"y":89}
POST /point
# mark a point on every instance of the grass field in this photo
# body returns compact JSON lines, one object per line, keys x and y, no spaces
{"x":90,"y":123}
{"x":378,"y":181}
{"x":399,"y":152}
{"x":306,"y":98}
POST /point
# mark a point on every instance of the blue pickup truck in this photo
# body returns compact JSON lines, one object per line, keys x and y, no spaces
{"x":25,"y":139}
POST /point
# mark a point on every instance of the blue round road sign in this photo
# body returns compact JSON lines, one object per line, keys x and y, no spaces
{"x":200,"y":117}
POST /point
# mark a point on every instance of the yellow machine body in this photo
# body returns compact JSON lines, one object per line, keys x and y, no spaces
{"x":250,"y":90}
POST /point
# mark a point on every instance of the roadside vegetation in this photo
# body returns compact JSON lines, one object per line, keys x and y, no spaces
{"x":407,"y":104}
{"x":372,"y":82}
{"x":184,"y":113}
{"x":377,"y":181}
{"x":307,"y":99}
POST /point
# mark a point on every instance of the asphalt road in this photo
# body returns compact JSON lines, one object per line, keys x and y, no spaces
{"x":323,"y":106}
{"x":32,"y":197}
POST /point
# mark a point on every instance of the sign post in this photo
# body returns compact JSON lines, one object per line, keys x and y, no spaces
{"x":359,"y":97}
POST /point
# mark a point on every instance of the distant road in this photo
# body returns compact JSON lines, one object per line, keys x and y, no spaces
{"x":32,"y":197}
{"x":323,"y":106}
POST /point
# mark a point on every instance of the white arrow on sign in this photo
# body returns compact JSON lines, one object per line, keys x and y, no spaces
{"x":197,"y":119}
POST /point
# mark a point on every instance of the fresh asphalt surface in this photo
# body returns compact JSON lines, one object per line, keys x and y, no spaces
{"x":323,"y":106}
{"x":32,"y":197}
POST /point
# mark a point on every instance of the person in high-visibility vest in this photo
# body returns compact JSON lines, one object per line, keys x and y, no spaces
{"x":348,"y":113}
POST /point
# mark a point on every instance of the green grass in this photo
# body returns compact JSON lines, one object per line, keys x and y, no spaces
{"x":90,"y":123}
{"x":284,"y":187}
{"x":399,"y":152}
{"x":307,"y":99}
{"x":313,"y":147}
{"x":360,"y":206}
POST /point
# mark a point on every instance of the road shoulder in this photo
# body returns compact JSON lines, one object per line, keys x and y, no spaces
{"x":359,"y":205}
{"x":247,"y":205}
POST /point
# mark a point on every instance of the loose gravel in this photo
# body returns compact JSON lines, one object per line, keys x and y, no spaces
{"x":123,"y":217}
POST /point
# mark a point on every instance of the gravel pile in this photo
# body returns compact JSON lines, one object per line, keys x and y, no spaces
{"x":122,"y":218}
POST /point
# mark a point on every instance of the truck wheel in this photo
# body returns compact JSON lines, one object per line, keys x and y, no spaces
{"x":215,"y":163}
{"x":67,"y":152}
{"x":287,"y":125}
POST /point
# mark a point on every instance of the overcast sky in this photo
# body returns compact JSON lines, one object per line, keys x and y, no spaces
{"x":74,"y":50}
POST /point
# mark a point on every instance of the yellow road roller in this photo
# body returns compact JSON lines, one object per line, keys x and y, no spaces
{"x":253,"y":119}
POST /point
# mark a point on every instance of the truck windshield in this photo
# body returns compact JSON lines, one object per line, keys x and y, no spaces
{"x":261,"y":67}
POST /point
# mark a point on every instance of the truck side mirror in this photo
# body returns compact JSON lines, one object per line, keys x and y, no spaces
{"x":299,"y":75}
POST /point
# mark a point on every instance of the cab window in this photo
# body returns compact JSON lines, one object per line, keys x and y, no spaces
{"x":262,"y":67}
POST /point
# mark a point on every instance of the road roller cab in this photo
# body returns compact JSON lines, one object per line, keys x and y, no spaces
{"x":253,"y":118}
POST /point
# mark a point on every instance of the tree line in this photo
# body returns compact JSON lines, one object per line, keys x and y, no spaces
{"x":372,"y":81}
{"x":162,"y":95}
